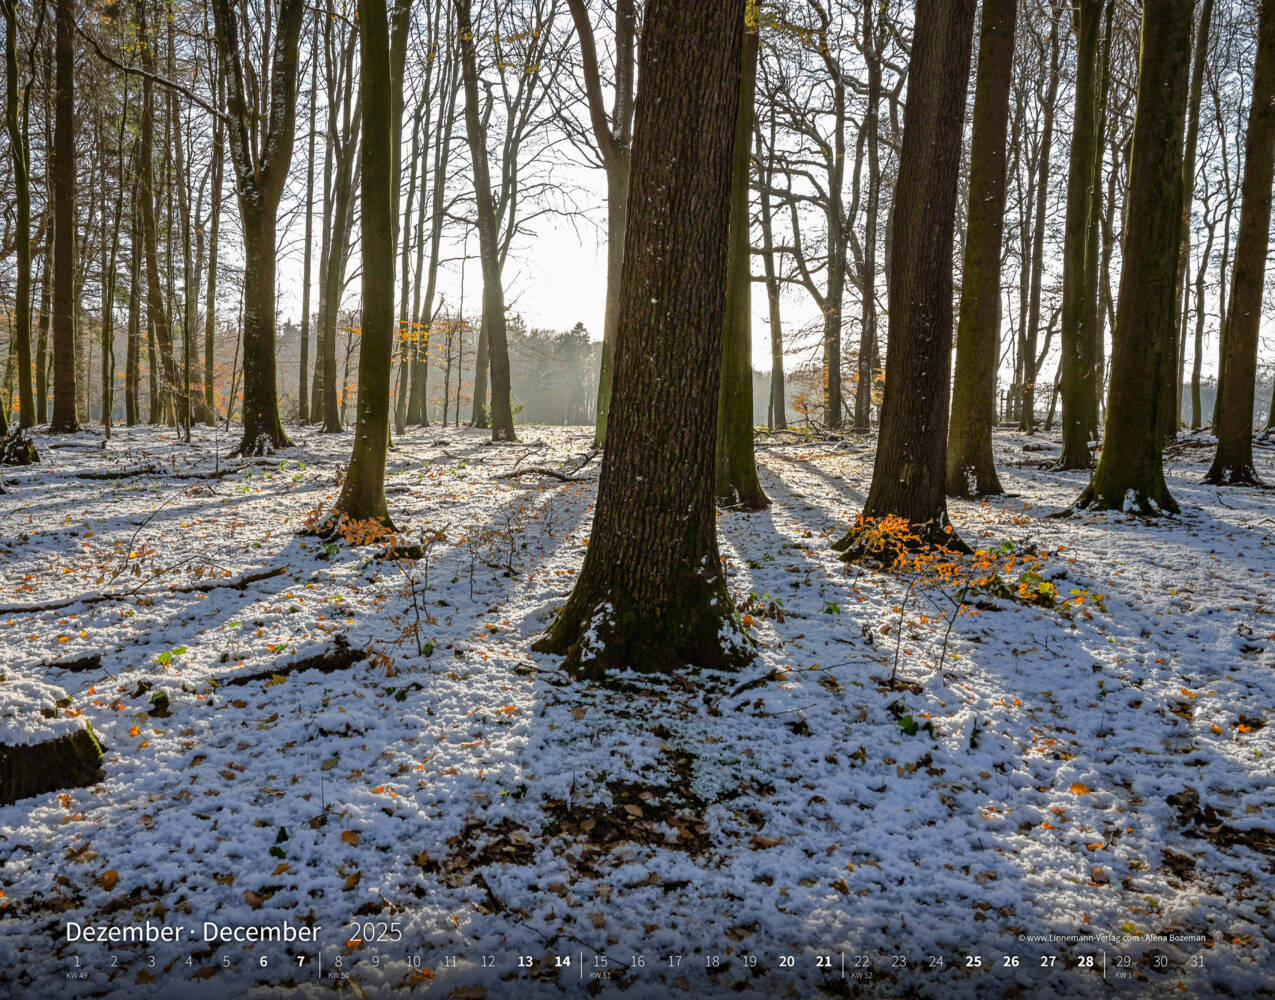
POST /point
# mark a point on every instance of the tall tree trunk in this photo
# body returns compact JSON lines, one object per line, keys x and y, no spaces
{"x":1171,"y":410}
{"x":214,"y":233}
{"x":778,"y":403}
{"x":261,"y":154}
{"x":132,"y":349}
{"x":866,"y":374}
{"x":108,"y":280}
{"x":42,"y":329}
{"x":618,"y":179}
{"x":153,"y":413}
{"x":303,"y":401}
{"x":613,"y":133}
{"x":1233,"y":420}
{"x":1027,"y":419}
{"x":1077,"y":339}
{"x":63,"y":183}
{"x":908,"y":477}
{"x":502,"y":420}
{"x":651,"y":594}
{"x":363,"y":492}
{"x":1197,"y":358}
{"x":408,"y":332}
{"x":1130,"y":472}
{"x":157,"y":309}
{"x":736,"y":476}
{"x":15,"y":111}
{"x":971,"y":466}
{"x":482,"y":360}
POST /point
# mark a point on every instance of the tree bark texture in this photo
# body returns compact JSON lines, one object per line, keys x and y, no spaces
{"x":651,"y":595}
{"x":971,"y":467}
{"x":908,"y":476}
{"x":1233,"y":421}
{"x":1130,"y":472}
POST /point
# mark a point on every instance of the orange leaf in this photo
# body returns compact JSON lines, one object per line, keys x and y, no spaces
{"x":1078,"y":789}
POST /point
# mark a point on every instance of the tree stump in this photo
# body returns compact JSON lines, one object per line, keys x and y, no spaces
{"x":17,"y":448}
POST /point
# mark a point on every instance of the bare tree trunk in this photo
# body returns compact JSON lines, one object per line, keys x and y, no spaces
{"x":261,"y":156}
{"x":908,"y":477}
{"x":63,"y":183}
{"x":214,"y":233}
{"x":1130,"y":472}
{"x":42,"y":328}
{"x":303,"y":402}
{"x":736,"y":476}
{"x":132,"y":350}
{"x":971,"y":466}
{"x":15,"y":121}
{"x":613,"y":134}
{"x":871,"y":125}
{"x":1077,"y":339}
{"x":502,"y":421}
{"x":166,"y":377}
{"x":1031,"y":372}
{"x":778,"y":403}
{"x":1233,"y":419}
{"x":363,"y":492}
{"x":1171,"y":412}
{"x":1197,"y":354}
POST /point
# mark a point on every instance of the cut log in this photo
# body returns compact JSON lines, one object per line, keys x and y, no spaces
{"x":70,"y":761}
{"x":44,"y":746}
{"x":77,"y":664}
{"x":339,"y":657}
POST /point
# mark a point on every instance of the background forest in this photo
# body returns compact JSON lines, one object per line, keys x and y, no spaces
{"x":155,"y":301}
{"x":749,"y":495}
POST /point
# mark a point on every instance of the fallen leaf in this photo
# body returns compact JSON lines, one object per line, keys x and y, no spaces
{"x":108,"y":879}
{"x":351,"y":837}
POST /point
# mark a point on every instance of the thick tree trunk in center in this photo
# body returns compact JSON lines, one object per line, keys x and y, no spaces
{"x":908,"y":477}
{"x":971,"y":467}
{"x":651,"y":594}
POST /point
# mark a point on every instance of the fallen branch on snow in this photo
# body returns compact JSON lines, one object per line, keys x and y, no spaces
{"x":239,"y":583}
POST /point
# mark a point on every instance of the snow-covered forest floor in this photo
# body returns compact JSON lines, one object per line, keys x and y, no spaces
{"x":451,"y":805}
